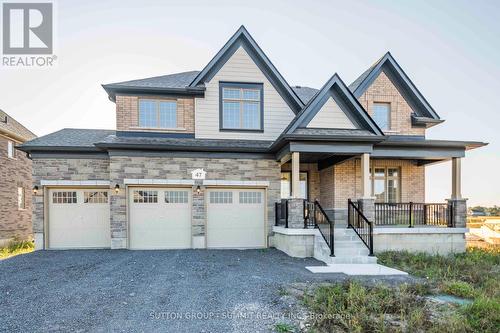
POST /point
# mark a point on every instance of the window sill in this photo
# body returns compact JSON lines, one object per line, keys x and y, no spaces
{"x":157,"y":129}
{"x":241,"y":130}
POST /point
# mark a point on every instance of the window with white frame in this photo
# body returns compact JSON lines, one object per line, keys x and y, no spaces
{"x":221,"y":197}
{"x":157,"y":113}
{"x":10,"y":149}
{"x":241,"y":106}
{"x":145,"y":196}
{"x":95,"y":197}
{"x":386,"y":184}
{"x":250,"y":197}
{"x":176,"y":197}
{"x":286,"y":185}
{"x":21,"y":198}
{"x":64,"y":197}
{"x":382,"y":115}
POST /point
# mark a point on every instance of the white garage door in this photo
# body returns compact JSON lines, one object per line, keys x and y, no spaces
{"x":235,"y":218}
{"x":160,"y":218}
{"x":78,"y":218}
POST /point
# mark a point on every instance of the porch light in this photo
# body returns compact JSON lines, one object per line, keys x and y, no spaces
{"x":117,"y":188}
{"x":198,"y":189}
{"x":35,"y":189}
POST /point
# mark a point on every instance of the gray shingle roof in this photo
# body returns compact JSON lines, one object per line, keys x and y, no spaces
{"x":305,"y":93}
{"x":69,"y":137}
{"x":182,"y":143}
{"x":332,"y":132}
{"x":177,"y":80}
{"x":353,"y":86}
{"x":12,"y":127}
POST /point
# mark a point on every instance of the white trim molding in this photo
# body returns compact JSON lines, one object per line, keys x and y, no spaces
{"x":129,"y":181}
{"x":44,"y":182}
{"x":235,"y":183}
{"x":293,"y":231}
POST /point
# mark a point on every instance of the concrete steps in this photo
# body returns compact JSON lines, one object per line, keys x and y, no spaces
{"x":349,"y":249}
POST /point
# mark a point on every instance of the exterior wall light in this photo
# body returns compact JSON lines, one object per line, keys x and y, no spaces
{"x":117,"y":188}
{"x":35,"y":189}
{"x":198,"y":189}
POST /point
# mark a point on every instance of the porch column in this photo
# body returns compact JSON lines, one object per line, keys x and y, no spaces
{"x":456,"y":178}
{"x":365,"y":176}
{"x":366,"y":203}
{"x":295,"y":175}
{"x":458,"y":204}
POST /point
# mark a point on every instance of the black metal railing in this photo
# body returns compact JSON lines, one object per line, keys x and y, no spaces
{"x":281,"y":213}
{"x":360,"y":224}
{"x":325,"y":226}
{"x":309,"y":215}
{"x":413,"y":214}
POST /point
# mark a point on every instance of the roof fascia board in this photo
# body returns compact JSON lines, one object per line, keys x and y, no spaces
{"x":333,"y":148}
{"x":244,"y":39}
{"x":417,"y":152}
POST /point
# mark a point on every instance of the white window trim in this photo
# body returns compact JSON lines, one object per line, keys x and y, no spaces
{"x":11,"y":151}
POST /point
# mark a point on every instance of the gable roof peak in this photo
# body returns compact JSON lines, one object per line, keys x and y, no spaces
{"x":242,"y":38}
{"x":400,"y":79}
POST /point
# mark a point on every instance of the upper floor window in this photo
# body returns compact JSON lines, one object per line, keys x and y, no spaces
{"x":241,"y":106}
{"x":382,"y":115}
{"x":10,"y":149}
{"x":157,"y":113}
{"x":21,"y":198}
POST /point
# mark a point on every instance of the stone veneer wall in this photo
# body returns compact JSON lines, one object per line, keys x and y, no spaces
{"x":127,"y":113}
{"x":14,"y":173}
{"x":122,"y":167}
{"x":347,"y":179}
{"x":382,"y":90}
{"x":63,"y":169}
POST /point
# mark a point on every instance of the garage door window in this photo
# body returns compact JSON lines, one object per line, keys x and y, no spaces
{"x":221,"y":197}
{"x":95,"y":197}
{"x":176,"y":196}
{"x":145,"y":196}
{"x":250,"y":197}
{"x":66,"y":197}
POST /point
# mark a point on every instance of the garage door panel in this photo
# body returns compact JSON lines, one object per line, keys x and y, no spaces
{"x":235,"y":218}
{"x":160,"y":220}
{"x":77,"y":223}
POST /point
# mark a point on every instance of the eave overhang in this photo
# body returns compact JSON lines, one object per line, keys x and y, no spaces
{"x":426,"y":122}
{"x":113,"y":90}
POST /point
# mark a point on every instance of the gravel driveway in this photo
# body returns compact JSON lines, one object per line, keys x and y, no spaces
{"x":145,"y":291}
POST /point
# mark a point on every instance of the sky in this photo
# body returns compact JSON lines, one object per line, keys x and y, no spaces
{"x":450,"y":50}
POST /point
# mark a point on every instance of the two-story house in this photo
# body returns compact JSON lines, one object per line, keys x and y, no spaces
{"x":15,"y":182}
{"x":232,"y":156}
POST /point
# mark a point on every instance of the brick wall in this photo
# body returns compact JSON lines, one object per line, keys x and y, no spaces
{"x":347,"y":179}
{"x":127,"y":114}
{"x":383,"y":90}
{"x":63,"y":169}
{"x":14,"y":173}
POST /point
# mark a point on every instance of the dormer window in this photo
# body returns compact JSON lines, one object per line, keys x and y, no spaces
{"x":157,"y":114}
{"x":241,"y":106}
{"x":382,"y":115}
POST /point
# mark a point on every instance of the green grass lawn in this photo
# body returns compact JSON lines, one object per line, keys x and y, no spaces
{"x":15,"y":248}
{"x":355,"y":307}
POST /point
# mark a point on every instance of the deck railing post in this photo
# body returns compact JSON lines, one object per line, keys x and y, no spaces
{"x":276,"y":216}
{"x":286,"y":214}
{"x":410,"y":215}
{"x":370,"y":226}
{"x":332,"y":254}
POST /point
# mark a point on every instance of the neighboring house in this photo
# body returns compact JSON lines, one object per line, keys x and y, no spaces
{"x":15,"y":182}
{"x":265,"y":146}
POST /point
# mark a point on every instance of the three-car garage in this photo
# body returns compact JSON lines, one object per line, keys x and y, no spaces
{"x":158,"y":218}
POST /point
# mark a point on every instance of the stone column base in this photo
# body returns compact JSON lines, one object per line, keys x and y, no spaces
{"x":367,"y":207}
{"x":458,"y":212}
{"x":296,"y":213}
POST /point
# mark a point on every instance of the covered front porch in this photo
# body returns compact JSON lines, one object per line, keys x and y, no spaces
{"x":377,"y":190}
